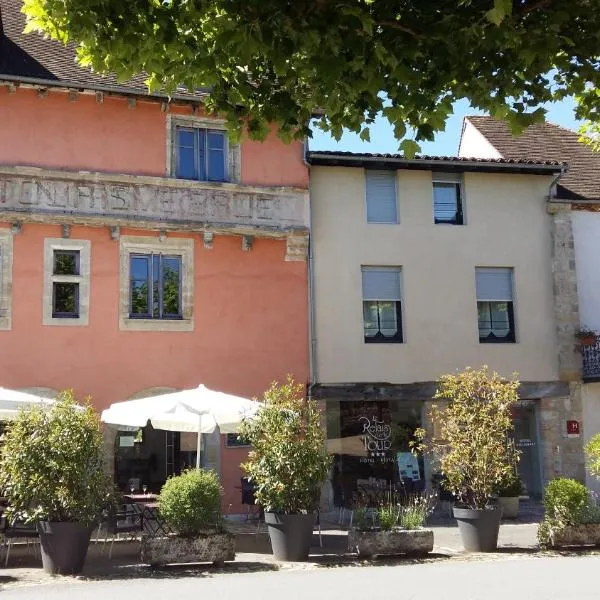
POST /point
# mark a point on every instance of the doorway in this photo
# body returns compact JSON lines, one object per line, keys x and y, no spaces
{"x":527,"y":442}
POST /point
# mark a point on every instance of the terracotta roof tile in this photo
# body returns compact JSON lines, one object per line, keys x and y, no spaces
{"x":548,"y":142}
{"x":32,"y":56}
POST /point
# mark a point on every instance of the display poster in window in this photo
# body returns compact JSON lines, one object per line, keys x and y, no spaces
{"x":377,"y":440}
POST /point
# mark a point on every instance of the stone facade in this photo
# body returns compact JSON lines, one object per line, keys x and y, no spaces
{"x":395,"y":541}
{"x":566,"y":304}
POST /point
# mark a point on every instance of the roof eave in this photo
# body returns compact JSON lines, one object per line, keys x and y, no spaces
{"x":317,"y":159}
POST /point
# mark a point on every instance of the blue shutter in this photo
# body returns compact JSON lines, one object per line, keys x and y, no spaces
{"x":215,"y":146}
{"x":381,"y":284}
{"x":201,"y":133}
{"x":494,"y":284}
{"x":185,"y":167}
{"x":382,"y":204}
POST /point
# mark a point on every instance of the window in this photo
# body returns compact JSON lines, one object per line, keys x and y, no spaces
{"x":235,"y":440}
{"x":495,"y":310}
{"x":382,"y":203}
{"x":5,"y":279}
{"x":65,"y":286}
{"x":66,"y":282}
{"x":201,"y":154}
{"x":155,"y":286}
{"x":382,"y":305}
{"x":447,"y":198}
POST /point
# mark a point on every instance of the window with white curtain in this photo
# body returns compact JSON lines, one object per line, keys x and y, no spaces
{"x":382,"y":304}
{"x":495,"y":304}
{"x":447,"y":199}
{"x":382,"y":201}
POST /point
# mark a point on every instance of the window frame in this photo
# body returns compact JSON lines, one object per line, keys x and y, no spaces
{"x":171,"y":246}
{"x":457,"y":180}
{"x":380,"y":338}
{"x":394,"y":174}
{"x":491,"y":338}
{"x":232,"y":150}
{"x":53,"y":246}
{"x":201,"y":136}
{"x":150,"y":279}
{"x":6,"y":267}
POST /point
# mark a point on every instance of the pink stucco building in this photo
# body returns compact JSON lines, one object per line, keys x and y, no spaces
{"x":141,"y":250}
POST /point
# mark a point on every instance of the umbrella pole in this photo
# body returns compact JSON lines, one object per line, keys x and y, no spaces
{"x":199,"y":443}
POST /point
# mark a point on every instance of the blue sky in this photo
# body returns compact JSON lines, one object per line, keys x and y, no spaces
{"x":445,"y":144}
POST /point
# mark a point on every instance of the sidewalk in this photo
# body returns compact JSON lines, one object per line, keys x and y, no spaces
{"x":253,"y":554}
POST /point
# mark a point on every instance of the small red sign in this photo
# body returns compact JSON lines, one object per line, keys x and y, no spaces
{"x":572,"y":427}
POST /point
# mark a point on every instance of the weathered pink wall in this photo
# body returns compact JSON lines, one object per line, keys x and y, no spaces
{"x":250,"y":307}
{"x":85,"y":135}
{"x":250,"y":328}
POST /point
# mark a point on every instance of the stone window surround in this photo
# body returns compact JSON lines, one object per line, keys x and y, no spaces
{"x":83,"y":279}
{"x":6,"y":260}
{"x":146,"y":245}
{"x":234,"y":165}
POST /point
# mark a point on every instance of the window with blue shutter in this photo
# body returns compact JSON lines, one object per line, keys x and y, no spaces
{"x":495,"y":305}
{"x":382,"y":304}
{"x":200,"y":154}
{"x":382,"y":201}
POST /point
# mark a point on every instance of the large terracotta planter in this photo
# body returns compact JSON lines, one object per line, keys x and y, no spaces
{"x":479,"y":528}
{"x":414,"y":542}
{"x":210,"y":547}
{"x":576,"y":535}
{"x":63,"y":546}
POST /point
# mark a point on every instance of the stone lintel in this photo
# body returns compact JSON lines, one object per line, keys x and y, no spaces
{"x":100,"y":199}
{"x":423,"y":390}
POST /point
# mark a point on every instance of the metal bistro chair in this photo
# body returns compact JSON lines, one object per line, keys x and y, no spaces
{"x":18,"y":531}
{"x":129,"y":522}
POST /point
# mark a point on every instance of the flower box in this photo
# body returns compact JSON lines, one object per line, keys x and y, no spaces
{"x":395,"y":541}
{"x":576,"y":535}
{"x":210,"y":547}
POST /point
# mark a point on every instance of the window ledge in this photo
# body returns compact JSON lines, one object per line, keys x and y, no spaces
{"x":128,"y":324}
{"x":81,"y":321}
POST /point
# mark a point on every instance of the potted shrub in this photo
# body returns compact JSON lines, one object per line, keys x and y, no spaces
{"x":190,"y":504}
{"x":51,"y":473}
{"x":394,"y":526}
{"x":585,"y":337}
{"x":287,"y":465}
{"x":473,"y":448}
{"x":571,"y":517}
{"x":509,"y":490}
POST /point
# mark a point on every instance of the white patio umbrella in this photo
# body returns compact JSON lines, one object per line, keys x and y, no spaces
{"x":12,"y":402}
{"x":199,"y":410}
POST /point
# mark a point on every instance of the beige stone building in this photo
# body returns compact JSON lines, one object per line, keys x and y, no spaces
{"x":422,"y":267}
{"x":574,"y":209}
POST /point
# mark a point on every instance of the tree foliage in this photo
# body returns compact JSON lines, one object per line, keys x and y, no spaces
{"x":278,"y":61}
{"x":289,"y":460}
{"x":472,"y":440}
{"x":592,"y":449}
{"x":51,"y":464}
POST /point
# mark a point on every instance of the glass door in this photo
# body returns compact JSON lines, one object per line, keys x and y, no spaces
{"x":526,"y":440}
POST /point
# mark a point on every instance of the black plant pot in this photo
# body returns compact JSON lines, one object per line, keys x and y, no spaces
{"x":64,"y":547}
{"x":479,"y":528}
{"x":290,"y":535}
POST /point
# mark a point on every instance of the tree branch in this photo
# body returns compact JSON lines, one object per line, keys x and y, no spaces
{"x":399,"y":27}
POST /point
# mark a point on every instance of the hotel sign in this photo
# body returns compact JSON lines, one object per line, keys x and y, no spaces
{"x":156,"y":199}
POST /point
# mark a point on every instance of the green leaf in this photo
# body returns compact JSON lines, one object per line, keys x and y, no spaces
{"x":409,"y":148}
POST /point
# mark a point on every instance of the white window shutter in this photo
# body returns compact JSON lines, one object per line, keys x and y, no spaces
{"x":494,"y":284}
{"x":381,"y":284}
{"x":382,"y":204}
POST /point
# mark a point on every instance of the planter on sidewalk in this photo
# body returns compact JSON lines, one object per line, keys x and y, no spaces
{"x":210,"y":547}
{"x":576,"y":535}
{"x":415,"y":542}
{"x":479,"y":528}
{"x":510,"y":506}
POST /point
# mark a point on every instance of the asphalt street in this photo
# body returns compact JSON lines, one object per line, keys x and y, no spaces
{"x":547,"y":578}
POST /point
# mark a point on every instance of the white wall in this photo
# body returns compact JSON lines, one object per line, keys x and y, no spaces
{"x":507,"y":225}
{"x":586,"y":234}
{"x":590,"y":397}
{"x":474,"y":145}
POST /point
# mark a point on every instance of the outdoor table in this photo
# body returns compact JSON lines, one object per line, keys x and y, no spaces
{"x":147,"y":506}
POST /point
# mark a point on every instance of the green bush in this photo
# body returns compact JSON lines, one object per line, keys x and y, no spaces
{"x":566,"y":499}
{"x":289,"y":459}
{"x":510,"y":487}
{"x":592,"y":449}
{"x":51,"y":464}
{"x":190,"y":503}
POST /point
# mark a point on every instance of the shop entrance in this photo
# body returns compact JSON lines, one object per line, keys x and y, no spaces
{"x":369,"y":442}
{"x":526,"y":440}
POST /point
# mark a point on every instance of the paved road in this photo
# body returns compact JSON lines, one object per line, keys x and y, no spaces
{"x":550,"y":578}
